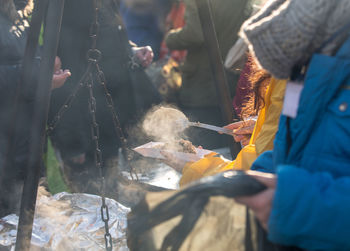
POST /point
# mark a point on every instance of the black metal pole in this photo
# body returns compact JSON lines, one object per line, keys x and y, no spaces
{"x":217,"y":67}
{"x":26,"y":76}
{"x":37,"y":135}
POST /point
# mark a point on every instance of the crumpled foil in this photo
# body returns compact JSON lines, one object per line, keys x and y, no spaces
{"x":70,"y":222}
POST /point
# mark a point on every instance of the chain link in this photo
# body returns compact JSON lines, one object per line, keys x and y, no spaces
{"x":102,"y":81}
{"x":68,"y":103}
{"x":93,"y":56}
{"x":98,"y":162}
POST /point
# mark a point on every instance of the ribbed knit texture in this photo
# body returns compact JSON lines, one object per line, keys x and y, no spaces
{"x":287,"y":32}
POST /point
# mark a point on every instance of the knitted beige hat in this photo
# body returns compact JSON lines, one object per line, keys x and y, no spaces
{"x":287,"y":32}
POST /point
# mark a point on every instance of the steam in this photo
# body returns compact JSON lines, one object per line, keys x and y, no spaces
{"x":165,"y":123}
{"x":162,"y":123}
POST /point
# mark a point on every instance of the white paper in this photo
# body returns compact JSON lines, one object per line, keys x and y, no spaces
{"x":153,"y":149}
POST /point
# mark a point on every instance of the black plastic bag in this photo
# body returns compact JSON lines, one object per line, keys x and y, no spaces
{"x":187,"y":218}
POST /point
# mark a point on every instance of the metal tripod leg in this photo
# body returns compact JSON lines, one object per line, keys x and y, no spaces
{"x":37,"y":132}
{"x":217,"y":67}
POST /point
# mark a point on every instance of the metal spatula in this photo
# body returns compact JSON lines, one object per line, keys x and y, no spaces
{"x":186,"y":123}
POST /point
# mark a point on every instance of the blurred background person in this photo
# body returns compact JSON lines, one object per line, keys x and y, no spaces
{"x":256,"y":137}
{"x":197,"y":96}
{"x":145,"y":22}
{"x":129,"y":86}
{"x":13,"y":37}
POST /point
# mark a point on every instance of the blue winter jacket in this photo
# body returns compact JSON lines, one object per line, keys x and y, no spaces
{"x":311,"y":158}
{"x":143,"y":28}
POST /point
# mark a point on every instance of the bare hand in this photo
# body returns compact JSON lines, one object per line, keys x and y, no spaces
{"x":144,"y":55}
{"x":59,"y":76}
{"x":242,"y":130}
{"x":261,"y":203}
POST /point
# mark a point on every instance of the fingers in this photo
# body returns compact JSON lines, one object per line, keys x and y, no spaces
{"x":249,"y":122}
{"x":245,"y":129}
{"x":64,"y":74}
{"x":239,"y":138}
{"x":255,"y":202}
{"x":58,"y":64}
{"x":144,"y":55}
{"x":261,"y":205}
{"x":147,"y":61}
{"x":147,"y":57}
{"x":60,"y":78}
{"x":235,"y":125}
{"x":242,"y":131}
{"x":245,"y":142}
{"x":239,"y":124}
{"x":267,"y":179}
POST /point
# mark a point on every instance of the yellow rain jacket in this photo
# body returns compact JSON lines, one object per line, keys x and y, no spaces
{"x":262,"y":140}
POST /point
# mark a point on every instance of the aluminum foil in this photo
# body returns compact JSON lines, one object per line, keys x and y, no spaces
{"x":70,"y":222}
{"x":161,"y":176}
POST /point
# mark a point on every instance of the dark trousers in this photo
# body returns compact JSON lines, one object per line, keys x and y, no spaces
{"x":10,"y":197}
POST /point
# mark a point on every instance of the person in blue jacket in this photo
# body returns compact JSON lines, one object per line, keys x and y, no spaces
{"x":145,"y":22}
{"x":307,"y":200}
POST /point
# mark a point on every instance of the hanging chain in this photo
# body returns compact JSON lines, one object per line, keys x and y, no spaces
{"x":93,"y":56}
{"x":102,"y":81}
{"x":98,"y":162}
{"x":67,"y":104}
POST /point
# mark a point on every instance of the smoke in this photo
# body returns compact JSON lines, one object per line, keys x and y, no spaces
{"x":165,"y":123}
{"x":162,"y":123}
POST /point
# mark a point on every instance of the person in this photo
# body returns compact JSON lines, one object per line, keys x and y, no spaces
{"x":256,"y":136}
{"x":144,"y":22}
{"x":13,"y":36}
{"x":130,"y":88}
{"x":197,"y":95}
{"x":306,"y":202}
{"x":174,"y":20}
